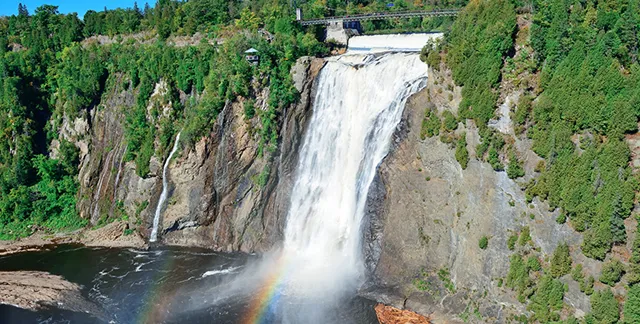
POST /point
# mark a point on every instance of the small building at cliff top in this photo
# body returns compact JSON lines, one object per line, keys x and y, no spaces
{"x":252,"y":56}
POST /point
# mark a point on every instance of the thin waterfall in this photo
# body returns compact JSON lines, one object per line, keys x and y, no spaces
{"x":120,"y":165}
{"x":104,"y":172}
{"x":165,"y":192}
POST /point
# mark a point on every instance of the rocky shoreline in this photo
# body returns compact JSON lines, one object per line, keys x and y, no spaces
{"x":110,"y":236}
{"x":34,"y":290}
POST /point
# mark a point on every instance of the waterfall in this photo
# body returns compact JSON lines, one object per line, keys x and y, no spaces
{"x":357,"y":106}
{"x":120,"y":165}
{"x":165,"y":191}
{"x":104,"y":172}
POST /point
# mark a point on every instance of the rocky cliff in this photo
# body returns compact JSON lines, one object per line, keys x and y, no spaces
{"x":427,"y":215}
{"x":218,"y":197}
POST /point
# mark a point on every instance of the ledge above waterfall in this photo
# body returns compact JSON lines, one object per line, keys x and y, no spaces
{"x":390,"y":43}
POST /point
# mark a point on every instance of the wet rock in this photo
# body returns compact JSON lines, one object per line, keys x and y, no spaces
{"x":35,"y":290}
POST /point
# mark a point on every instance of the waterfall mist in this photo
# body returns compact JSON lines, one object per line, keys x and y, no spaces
{"x":357,"y":106}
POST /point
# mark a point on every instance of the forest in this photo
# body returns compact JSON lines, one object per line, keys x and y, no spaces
{"x":576,"y":64}
{"x":52,"y":69}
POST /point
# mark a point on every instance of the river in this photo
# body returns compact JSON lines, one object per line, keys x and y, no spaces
{"x":161,"y":285}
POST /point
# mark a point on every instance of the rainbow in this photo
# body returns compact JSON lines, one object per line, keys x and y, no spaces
{"x":156,"y":300}
{"x":266,"y":299}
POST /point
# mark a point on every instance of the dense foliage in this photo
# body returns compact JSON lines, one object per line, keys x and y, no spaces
{"x":51,"y":75}
{"x":560,"y":261}
{"x":604,"y":308}
{"x":587,"y":56}
{"x":479,"y":38}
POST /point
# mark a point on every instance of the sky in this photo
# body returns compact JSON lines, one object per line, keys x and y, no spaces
{"x":10,"y":7}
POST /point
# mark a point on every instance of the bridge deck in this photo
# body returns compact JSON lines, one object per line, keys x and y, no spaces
{"x":378,"y":16}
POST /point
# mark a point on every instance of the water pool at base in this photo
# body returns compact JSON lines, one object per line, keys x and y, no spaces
{"x":163,"y":285}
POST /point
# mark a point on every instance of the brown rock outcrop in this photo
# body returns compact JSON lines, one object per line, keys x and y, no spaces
{"x":392,"y":315}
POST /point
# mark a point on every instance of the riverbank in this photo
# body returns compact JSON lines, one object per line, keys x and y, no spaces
{"x":111,"y":236}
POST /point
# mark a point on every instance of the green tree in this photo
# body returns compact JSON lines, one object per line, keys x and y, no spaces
{"x":611,"y":273}
{"x":604,"y":307}
{"x":560,"y":261}
{"x":514,"y":170}
{"x":632,"y":305}
{"x":462,"y":155}
{"x":634,"y":262}
{"x":586,"y":286}
{"x":547,"y":299}
{"x":483,"y":243}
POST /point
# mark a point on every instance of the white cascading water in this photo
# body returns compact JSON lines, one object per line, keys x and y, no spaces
{"x":358,"y":104}
{"x":165,"y":192}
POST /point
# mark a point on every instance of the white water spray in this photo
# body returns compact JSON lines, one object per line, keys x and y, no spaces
{"x":358,"y":104}
{"x":165,"y":192}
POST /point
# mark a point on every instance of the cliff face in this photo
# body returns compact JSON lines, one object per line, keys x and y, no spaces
{"x":215,"y":198}
{"x":427,"y":216}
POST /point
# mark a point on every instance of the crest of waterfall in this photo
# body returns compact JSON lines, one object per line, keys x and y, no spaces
{"x":356,"y":109}
{"x":165,"y":192}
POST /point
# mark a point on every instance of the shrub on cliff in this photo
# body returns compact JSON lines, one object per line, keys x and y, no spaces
{"x":511,"y":242}
{"x":611,"y":273}
{"x":560,"y":261}
{"x":586,"y":286}
{"x":514,"y":169}
{"x":525,"y":236}
{"x":430,"y":124}
{"x":449,"y":121}
{"x":462,"y":155}
{"x":484,"y":242}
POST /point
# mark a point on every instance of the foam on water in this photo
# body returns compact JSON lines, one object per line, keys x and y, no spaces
{"x":390,"y":43}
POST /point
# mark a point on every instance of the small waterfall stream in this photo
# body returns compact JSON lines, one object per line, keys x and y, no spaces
{"x":165,"y":192}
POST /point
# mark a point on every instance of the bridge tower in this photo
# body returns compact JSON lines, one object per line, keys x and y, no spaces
{"x":298,"y":14}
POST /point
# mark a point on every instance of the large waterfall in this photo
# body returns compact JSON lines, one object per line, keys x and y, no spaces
{"x":359,"y":101}
{"x":358,"y":104}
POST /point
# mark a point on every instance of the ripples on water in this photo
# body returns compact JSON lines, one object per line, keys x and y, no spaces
{"x":167,"y":285}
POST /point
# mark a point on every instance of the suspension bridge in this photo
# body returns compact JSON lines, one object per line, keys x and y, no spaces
{"x":375,"y":16}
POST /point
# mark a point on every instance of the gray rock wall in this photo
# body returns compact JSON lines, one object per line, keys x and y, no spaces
{"x":427,"y":215}
{"x":215,"y":200}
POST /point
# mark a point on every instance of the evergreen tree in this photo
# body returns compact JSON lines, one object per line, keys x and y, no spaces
{"x":611,"y":273}
{"x":618,"y":231}
{"x":632,"y":305}
{"x":560,"y":261}
{"x":604,"y":307}
{"x":634,"y":262}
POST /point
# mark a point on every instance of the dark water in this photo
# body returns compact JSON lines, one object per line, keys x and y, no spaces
{"x":162,"y":285}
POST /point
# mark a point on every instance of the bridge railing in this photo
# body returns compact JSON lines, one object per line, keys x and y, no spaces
{"x":379,"y":15}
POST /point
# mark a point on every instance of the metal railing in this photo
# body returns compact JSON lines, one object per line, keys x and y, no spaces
{"x":378,"y":16}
